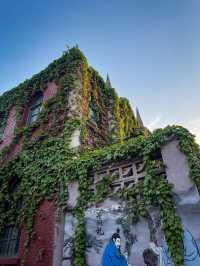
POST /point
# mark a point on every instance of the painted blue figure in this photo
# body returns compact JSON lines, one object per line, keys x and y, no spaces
{"x":191,"y":252}
{"x":112,"y":255}
{"x":167,"y":261}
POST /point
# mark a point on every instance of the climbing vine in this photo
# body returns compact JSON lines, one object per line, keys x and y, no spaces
{"x":143,"y":195}
{"x":47,"y":165}
{"x":57,"y":164}
{"x":21,"y":95}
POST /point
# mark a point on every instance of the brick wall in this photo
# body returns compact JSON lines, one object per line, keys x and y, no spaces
{"x":41,"y":247}
{"x":16,"y":149}
{"x":9,"y":129}
{"x":40,"y":250}
{"x":50,"y":91}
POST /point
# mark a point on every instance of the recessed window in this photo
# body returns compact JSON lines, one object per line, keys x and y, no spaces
{"x":15,"y":188}
{"x":9,"y":242}
{"x":10,"y":236}
{"x":35,"y":108}
{"x":94,"y":117}
{"x":14,"y":184}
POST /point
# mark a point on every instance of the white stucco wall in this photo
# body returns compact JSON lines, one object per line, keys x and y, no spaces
{"x":177,"y":170}
{"x":75,"y":139}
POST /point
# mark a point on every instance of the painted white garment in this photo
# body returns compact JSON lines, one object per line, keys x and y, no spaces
{"x":158,"y":252}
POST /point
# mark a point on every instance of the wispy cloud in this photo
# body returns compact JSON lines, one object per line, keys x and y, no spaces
{"x":194,"y":127}
{"x":155,"y":123}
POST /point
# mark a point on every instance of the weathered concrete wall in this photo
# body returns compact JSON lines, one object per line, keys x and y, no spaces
{"x":69,"y":231}
{"x":177,"y":169}
{"x":58,"y":239}
{"x":73,"y":190}
{"x":186,"y":195}
{"x":75,"y":139}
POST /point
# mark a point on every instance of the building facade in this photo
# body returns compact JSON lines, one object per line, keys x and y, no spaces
{"x":77,"y":166}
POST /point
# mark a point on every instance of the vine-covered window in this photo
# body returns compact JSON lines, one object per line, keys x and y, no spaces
{"x":9,"y":242}
{"x":35,"y":108}
{"x":94,"y":116}
{"x":14,"y":188}
{"x":9,"y":237}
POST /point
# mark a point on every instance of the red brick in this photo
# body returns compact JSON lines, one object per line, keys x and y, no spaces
{"x":40,"y":250}
{"x":9,"y":129}
{"x":14,"y":151}
{"x":50,"y":91}
{"x":41,"y":247}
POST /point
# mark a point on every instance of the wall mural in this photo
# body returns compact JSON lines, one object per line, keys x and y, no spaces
{"x":102,"y":223}
{"x":188,"y":208}
{"x":113,"y":241}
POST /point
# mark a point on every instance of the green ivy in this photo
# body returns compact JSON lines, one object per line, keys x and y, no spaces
{"x":143,"y":195}
{"x":46,"y":164}
{"x":22,"y":94}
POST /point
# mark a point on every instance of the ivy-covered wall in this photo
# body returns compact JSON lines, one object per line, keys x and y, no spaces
{"x":78,"y":99}
{"x":81,"y":93}
{"x":46,"y":164}
{"x":155,"y":190}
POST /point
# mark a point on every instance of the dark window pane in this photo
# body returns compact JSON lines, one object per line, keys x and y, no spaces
{"x":38,"y":101}
{"x":9,"y":242}
{"x":35,"y":109}
{"x":93,"y":113}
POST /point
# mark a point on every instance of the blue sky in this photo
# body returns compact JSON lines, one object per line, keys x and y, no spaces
{"x":149,"y":48}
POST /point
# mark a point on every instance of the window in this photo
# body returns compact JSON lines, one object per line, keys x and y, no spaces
{"x":14,"y":188}
{"x":35,"y":108}
{"x":9,"y":242}
{"x":94,"y":116}
{"x":10,"y":236}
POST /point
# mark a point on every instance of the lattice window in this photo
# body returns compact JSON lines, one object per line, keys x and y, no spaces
{"x":9,"y":242}
{"x":35,"y":108}
{"x":127,"y":174}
